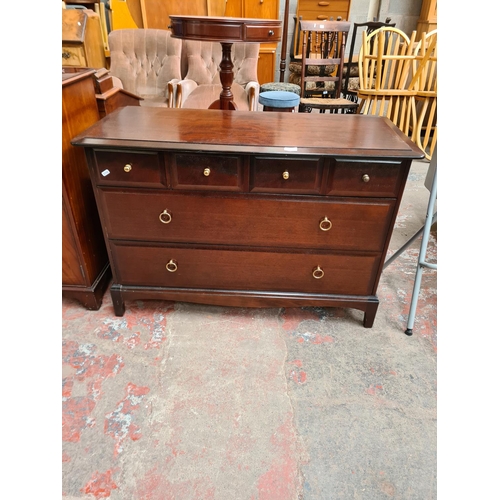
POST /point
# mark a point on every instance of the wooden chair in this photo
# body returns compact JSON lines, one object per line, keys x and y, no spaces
{"x":425,"y":82}
{"x":323,"y":46}
{"x":351,"y":74}
{"x":385,"y":88}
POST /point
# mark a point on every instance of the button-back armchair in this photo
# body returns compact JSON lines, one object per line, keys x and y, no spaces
{"x":146,"y":62}
{"x":201,"y":85}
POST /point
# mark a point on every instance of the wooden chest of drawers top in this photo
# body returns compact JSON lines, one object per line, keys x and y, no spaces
{"x":291,"y":134}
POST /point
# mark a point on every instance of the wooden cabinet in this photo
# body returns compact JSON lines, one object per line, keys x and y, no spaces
{"x":85,"y":266}
{"x":196,"y":211}
{"x":321,"y":10}
{"x":82,"y":42}
{"x":257,"y":9}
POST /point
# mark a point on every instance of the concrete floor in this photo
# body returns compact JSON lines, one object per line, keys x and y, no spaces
{"x":177,"y":401}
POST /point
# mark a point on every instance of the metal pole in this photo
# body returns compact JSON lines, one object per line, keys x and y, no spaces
{"x":284,"y":41}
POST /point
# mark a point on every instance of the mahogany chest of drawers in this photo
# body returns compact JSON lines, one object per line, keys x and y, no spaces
{"x":248,"y":209}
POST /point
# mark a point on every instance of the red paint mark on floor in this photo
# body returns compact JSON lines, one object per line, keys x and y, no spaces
{"x":101,"y":484}
{"x":76,"y":417}
{"x":374,"y":389}
{"x":314,"y":338}
{"x":119,"y":422}
{"x":280,"y":481}
{"x":299,"y":377}
{"x":155,"y":486}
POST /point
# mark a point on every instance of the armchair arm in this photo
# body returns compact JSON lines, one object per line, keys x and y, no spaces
{"x":171,"y":92}
{"x":252,"y":90}
{"x":183,"y":89}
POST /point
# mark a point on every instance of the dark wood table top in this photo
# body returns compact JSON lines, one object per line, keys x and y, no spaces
{"x":225,"y":29}
{"x":250,"y":132}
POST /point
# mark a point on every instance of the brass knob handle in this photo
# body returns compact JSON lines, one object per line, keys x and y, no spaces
{"x":171,"y":266}
{"x":286,"y":175}
{"x":271,"y":32}
{"x":325,"y":224}
{"x":66,"y":55}
{"x":165,"y":217}
{"x":318,"y":273}
{"x":127,"y":167}
{"x":366,"y":178}
{"x":206,"y":172}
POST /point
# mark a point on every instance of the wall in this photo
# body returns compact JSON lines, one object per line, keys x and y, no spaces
{"x":404,"y":13}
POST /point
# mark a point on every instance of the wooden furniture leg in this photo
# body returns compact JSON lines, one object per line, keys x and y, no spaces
{"x":116,"y":297}
{"x":226,"y":77}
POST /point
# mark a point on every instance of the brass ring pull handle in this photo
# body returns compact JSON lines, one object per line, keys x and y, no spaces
{"x":171,"y":266}
{"x":318,"y":273}
{"x":127,"y":167}
{"x":165,"y":217}
{"x":271,"y":32}
{"x":366,"y":178}
{"x":206,"y":172}
{"x":325,"y":224}
{"x":286,"y":175}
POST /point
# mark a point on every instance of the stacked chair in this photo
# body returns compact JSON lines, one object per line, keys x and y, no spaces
{"x":398,"y":79}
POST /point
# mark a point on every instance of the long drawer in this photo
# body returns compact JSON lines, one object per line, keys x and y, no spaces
{"x":223,"y":269}
{"x":166,"y":216}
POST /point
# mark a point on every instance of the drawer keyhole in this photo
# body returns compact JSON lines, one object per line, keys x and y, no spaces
{"x":318,"y":273}
{"x":171,"y":266}
{"x":127,"y":167}
{"x":325,"y":224}
{"x":366,"y":178}
{"x":165,"y":217}
{"x":206,"y":172}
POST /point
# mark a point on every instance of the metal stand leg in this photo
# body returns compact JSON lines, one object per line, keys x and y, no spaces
{"x":422,"y":254}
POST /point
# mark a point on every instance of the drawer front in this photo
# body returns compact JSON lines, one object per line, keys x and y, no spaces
{"x":206,"y":172}
{"x":324,"y":5}
{"x":286,"y":175}
{"x":123,"y":168}
{"x":246,"y":220}
{"x":73,"y":56}
{"x":244,"y":270}
{"x":263,"y":34}
{"x":358,"y":178}
{"x":322,"y":14}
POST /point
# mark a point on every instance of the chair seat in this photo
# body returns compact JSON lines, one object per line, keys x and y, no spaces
{"x":279,"y":99}
{"x":280,"y":86}
{"x":319,"y":102}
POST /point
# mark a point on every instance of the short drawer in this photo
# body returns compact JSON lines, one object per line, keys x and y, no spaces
{"x":123,"y":168}
{"x":246,"y":220}
{"x":206,"y":172}
{"x":188,"y":267}
{"x":322,"y":14}
{"x":329,"y":5}
{"x":286,"y":175}
{"x":260,"y":33}
{"x":73,"y":56}
{"x":371,"y":178}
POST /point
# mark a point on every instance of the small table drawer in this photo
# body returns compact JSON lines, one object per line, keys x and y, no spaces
{"x":330,"y":5}
{"x":243,"y":220}
{"x":206,"y":172}
{"x":286,"y":175}
{"x":123,"y":168}
{"x":224,"y":269}
{"x":358,"y":178}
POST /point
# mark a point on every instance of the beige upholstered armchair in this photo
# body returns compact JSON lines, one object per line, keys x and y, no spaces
{"x":201,"y":85}
{"x":146,"y":62}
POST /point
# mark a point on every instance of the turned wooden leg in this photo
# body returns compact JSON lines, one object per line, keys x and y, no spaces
{"x":116,"y":297}
{"x":225,"y":100}
{"x":370,"y":313}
